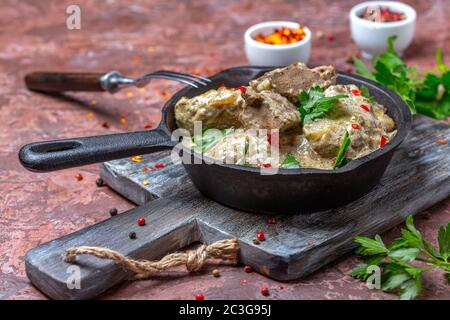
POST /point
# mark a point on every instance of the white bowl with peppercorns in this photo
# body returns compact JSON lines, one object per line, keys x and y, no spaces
{"x":373,"y":22}
{"x":277,"y":43}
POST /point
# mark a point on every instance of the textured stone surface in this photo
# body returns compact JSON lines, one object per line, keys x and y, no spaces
{"x":136,"y":37}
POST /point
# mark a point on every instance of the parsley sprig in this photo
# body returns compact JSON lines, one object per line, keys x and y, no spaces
{"x":313,"y":104}
{"x":341,"y":160}
{"x":208,"y":139}
{"x":405,"y":260}
{"x":290,"y":162}
{"x":427,"y":93}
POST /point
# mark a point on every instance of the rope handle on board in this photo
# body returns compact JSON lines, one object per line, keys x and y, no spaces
{"x":194,"y":260}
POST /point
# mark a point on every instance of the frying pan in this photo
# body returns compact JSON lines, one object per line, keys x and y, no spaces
{"x":289,"y":191}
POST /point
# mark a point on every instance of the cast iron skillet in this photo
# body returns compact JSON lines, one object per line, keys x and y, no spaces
{"x":288,"y":191}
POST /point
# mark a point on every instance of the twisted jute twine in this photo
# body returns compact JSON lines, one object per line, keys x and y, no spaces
{"x":143,"y":269}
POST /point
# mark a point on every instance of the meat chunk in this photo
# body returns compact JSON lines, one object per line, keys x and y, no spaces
{"x":218,"y":109}
{"x":293,"y":79}
{"x":268,"y":110}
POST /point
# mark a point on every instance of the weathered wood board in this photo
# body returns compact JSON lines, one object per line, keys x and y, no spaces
{"x":417,"y":178}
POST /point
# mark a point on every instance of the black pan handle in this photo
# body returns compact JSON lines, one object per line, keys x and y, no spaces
{"x":69,"y":153}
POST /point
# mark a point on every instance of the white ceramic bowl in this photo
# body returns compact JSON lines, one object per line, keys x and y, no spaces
{"x":262,"y":54}
{"x":371,"y":37}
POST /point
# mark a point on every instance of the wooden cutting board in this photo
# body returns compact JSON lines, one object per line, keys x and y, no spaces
{"x":177,"y":215}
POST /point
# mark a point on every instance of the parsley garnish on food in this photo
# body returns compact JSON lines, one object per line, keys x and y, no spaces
{"x":398,"y":273}
{"x":313,"y":104}
{"x":208,"y":139}
{"x":365,"y":93}
{"x":244,"y":160}
{"x":427,"y":93}
{"x":290,"y":162}
{"x":341,"y":160}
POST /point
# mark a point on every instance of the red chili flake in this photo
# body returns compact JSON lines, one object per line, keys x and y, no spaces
{"x":248,"y":269}
{"x":159,"y":165}
{"x":356,"y":92}
{"x":281,"y":287}
{"x":365,"y":107}
{"x":105,"y":125}
{"x":348,"y":69}
{"x":383,"y":141}
{"x":79,"y":176}
{"x":242,"y":89}
{"x":150,"y":168}
{"x":265,"y":291}
{"x":222,"y":85}
{"x":136,"y":59}
{"x":441,"y":141}
{"x":267,"y":165}
{"x":330,"y":37}
{"x":141,"y":222}
{"x":272,"y":220}
{"x":199,"y":296}
{"x":148,"y":126}
{"x":355,"y":126}
{"x":260,"y":236}
{"x":144,"y":169}
{"x":269,"y":138}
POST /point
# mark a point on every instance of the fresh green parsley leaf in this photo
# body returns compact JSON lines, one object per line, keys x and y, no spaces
{"x":430,"y":95}
{"x":391,"y":71}
{"x":365,"y":93}
{"x":407,"y":286}
{"x":208,"y":139}
{"x":410,"y":289}
{"x":444,"y":242}
{"x":290,"y":162}
{"x":394,"y":281}
{"x":412,"y":228}
{"x":244,"y":160}
{"x":440,"y":62}
{"x":314,"y":105}
{"x":370,"y":246}
{"x":360,"y":271}
{"x":406,"y":254}
{"x":362,"y":69}
{"x":341,"y":160}
{"x":437,"y":109}
{"x":399,"y":275}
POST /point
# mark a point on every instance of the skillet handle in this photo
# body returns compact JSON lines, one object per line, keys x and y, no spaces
{"x":68,"y":153}
{"x":61,"y":81}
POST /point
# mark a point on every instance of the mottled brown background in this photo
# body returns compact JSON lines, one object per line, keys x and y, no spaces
{"x":137,"y":37}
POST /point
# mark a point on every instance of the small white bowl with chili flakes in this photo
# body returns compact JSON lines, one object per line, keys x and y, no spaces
{"x":372,"y":23}
{"x":277,"y":43}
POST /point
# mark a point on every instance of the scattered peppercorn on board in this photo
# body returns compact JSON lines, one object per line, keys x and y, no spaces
{"x":176,"y":215}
